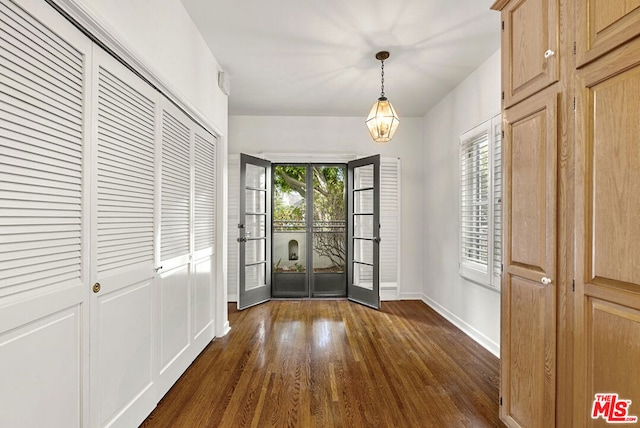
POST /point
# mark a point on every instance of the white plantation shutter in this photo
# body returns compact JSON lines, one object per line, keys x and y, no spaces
{"x":475,"y":199}
{"x":389,"y":219}
{"x":480,"y":203}
{"x":205,"y":195}
{"x":497,"y":199}
{"x":41,"y":155}
{"x":176,"y":187}
{"x":125,"y":175}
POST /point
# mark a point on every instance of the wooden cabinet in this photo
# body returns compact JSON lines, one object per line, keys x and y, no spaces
{"x":571,"y":278}
{"x":604,"y":25}
{"x":529,"y":48}
{"x":528,"y":349}
{"x":608,"y":232}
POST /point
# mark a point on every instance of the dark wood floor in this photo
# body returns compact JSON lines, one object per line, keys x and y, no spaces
{"x":325,"y":363}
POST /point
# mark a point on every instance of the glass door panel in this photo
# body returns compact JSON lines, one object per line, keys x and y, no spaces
{"x":364,"y":230}
{"x":290,"y":231}
{"x":255,"y":242}
{"x":328,"y":232}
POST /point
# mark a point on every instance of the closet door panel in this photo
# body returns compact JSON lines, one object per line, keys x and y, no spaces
{"x":122,"y":256}
{"x":608,"y":232}
{"x":204,"y":237}
{"x":175,"y":246}
{"x":44,"y":92}
{"x":529,"y":48}
{"x":528,"y":299}
{"x":603,"y":26}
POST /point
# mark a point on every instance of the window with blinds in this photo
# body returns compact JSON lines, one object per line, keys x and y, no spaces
{"x":480,"y":203}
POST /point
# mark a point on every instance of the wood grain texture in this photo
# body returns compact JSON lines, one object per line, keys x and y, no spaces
{"x":607,"y":303}
{"x":528,"y":320}
{"x":335,"y":363}
{"x":604,"y":25}
{"x":530,"y":28}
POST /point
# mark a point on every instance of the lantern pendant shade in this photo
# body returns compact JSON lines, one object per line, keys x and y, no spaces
{"x":382,"y":121}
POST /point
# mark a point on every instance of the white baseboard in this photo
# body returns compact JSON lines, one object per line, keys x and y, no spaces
{"x":466,"y":328}
{"x":386,"y":294}
{"x":225,"y":329}
{"x":411,"y":296}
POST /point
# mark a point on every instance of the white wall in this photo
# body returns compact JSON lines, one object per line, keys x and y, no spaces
{"x":164,"y":37}
{"x":473,"y":308}
{"x":342,"y":135}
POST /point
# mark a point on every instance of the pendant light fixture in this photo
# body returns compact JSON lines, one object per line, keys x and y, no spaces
{"x":383,"y":120}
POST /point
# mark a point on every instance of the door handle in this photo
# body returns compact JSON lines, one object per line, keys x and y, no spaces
{"x":545,"y":280}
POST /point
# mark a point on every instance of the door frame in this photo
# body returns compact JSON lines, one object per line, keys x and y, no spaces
{"x":309,"y":227}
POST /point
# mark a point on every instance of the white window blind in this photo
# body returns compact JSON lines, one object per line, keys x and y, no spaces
{"x":497,"y":199}
{"x":480,"y":203}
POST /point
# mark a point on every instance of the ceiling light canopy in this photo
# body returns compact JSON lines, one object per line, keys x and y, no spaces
{"x":382,"y":120}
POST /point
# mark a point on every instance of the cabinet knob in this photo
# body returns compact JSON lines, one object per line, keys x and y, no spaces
{"x":549,"y":53}
{"x":545,"y":280}
{"x":96,"y":287}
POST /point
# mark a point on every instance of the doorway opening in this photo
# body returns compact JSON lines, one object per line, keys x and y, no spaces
{"x":309,"y":246}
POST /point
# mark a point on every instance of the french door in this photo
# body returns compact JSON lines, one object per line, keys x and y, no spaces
{"x":254,"y":234}
{"x":363,"y":240}
{"x":363,"y":232}
{"x":309,"y":248}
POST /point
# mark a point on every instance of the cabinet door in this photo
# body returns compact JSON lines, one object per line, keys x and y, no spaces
{"x":529,"y":48}
{"x":603,"y":26}
{"x":528,"y":350}
{"x":607,"y":328}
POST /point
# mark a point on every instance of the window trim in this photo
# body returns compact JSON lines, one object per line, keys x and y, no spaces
{"x":480,"y":272}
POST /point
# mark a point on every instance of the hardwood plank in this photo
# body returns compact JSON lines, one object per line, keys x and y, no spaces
{"x":319,"y":363}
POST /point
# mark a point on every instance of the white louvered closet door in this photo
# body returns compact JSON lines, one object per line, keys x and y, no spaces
{"x":203,"y":296}
{"x":174,"y":282}
{"x":122,"y":255}
{"x":43,"y":94}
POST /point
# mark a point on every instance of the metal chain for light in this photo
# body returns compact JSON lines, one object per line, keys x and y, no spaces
{"x":382,"y":79}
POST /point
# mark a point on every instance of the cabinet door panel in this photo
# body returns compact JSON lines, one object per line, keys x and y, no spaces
{"x":528,"y":368}
{"x":603,"y":26}
{"x":529,"y":48}
{"x":608,"y":232}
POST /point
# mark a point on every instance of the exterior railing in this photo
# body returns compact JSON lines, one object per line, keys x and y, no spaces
{"x":322,"y":226}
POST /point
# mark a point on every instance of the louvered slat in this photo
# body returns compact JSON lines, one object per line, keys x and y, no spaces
{"x":389,"y":215}
{"x":41,"y":110}
{"x":497,"y":198}
{"x":125,"y":184}
{"x":176,"y":185}
{"x":205,"y":185}
{"x":474,"y":207}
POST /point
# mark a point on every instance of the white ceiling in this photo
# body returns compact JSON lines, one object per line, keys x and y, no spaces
{"x":317,"y":58}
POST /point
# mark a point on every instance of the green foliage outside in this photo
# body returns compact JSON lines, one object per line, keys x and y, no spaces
{"x":328,"y":206}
